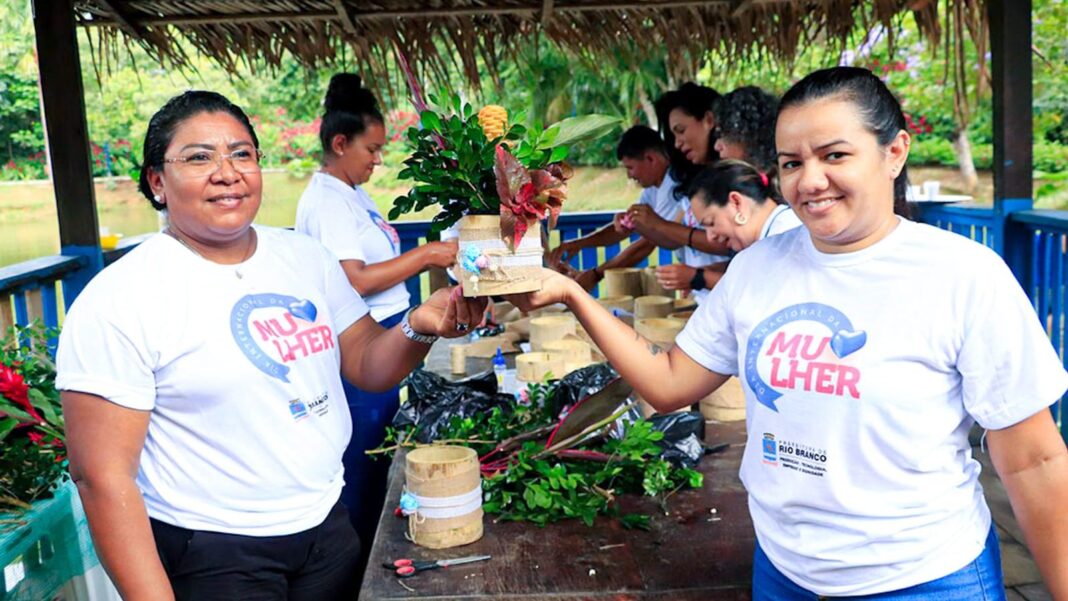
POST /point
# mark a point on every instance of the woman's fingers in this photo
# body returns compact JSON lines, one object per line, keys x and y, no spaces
{"x":463,"y":312}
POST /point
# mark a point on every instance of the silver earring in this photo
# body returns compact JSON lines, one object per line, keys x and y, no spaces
{"x":157,"y":199}
{"x":740,"y":219}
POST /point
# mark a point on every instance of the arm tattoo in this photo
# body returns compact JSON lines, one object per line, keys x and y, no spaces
{"x":655,"y":350}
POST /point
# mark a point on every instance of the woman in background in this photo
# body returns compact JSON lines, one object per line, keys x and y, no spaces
{"x":337,"y":212}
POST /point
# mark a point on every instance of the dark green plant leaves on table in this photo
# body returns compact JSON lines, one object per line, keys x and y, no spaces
{"x":541,"y":488}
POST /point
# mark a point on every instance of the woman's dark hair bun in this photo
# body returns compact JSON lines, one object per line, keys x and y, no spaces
{"x":346,"y":93}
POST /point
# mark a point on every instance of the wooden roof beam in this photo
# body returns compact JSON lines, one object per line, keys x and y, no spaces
{"x":546,"y":12}
{"x":345,"y":17}
{"x":740,"y":6}
{"x":122,"y":18}
{"x":527,"y":11}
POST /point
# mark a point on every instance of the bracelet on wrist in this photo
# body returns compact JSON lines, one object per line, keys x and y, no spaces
{"x":697,"y":282}
{"x":410,"y":334}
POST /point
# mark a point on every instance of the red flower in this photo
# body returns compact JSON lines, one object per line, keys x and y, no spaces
{"x":36,"y":437}
{"x":15,"y":389}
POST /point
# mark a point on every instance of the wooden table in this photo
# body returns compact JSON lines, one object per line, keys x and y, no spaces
{"x":689,"y":554}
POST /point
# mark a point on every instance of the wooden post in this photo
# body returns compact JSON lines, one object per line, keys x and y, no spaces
{"x":67,"y":138}
{"x":1010,"y":49}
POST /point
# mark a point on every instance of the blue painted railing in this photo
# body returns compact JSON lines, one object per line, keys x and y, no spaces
{"x":1035,"y":244}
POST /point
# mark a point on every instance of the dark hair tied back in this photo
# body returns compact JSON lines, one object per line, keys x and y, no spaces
{"x":350,"y":108}
{"x":715,"y":183}
{"x":878,"y":109}
{"x":165,"y":122}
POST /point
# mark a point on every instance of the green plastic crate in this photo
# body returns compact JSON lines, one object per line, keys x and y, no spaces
{"x":51,"y":548}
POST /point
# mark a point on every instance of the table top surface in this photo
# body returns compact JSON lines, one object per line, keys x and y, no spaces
{"x":689,"y":553}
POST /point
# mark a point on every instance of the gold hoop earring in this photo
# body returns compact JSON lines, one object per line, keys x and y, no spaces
{"x":740,"y":219}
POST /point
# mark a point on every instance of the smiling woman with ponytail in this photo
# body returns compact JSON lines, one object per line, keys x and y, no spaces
{"x":868,"y":346}
{"x":336,"y":210}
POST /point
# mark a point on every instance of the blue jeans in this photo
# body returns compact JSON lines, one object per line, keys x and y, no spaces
{"x":365,"y":477}
{"x":981,"y":580}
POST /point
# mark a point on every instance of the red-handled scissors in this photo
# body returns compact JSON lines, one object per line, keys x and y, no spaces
{"x":406,"y":568}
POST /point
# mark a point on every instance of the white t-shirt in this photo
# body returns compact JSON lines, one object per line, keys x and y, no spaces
{"x":662,"y":199}
{"x":782,"y":219}
{"x":241,"y":375}
{"x":863,"y":373}
{"x":346,"y":221}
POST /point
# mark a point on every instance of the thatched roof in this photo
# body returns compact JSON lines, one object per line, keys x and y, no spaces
{"x":320,"y":32}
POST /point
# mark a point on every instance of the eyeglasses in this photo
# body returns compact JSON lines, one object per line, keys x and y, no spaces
{"x":198,"y":163}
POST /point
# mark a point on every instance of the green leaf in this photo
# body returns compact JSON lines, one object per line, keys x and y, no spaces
{"x":559,"y":153}
{"x":584,"y":128}
{"x":6,"y":426}
{"x":430,"y":120}
{"x":632,"y":521}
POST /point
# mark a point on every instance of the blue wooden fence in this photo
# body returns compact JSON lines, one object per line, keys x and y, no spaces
{"x":1034,"y":243}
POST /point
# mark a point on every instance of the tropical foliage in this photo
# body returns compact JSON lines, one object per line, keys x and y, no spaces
{"x":32,"y":452}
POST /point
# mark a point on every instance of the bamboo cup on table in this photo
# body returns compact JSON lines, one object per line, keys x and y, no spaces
{"x":652,"y":306}
{"x":447,"y":484}
{"x":625,"y":302}
{"x":532,"y":367}
{"x":550,"y":327}
{"x":623,"y":281}
{"x":458,"y":358}
{"x":651,"y":286}
{"x":661,"y":331}
{"x":573,"y":351}
{"x":726,"y":403}
{"x":685,"y":304}
{"x":683,"y":315}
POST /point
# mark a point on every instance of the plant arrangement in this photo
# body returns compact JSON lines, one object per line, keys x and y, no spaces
{"x":524,"y":479}
{"x":480,"y":163}
{"x":32,"y":453}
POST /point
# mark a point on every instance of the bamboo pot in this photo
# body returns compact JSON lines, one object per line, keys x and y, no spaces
{"x":661,"y":331}
{"x":550,"y":327}
{"x":685,"y":304}
{"x":652,"y":287}
{"x":573,"y":351}
{"x":652,"y":306}
{"x":625,"y":302}
{"x":532,"y":367}
{"x":507,"y":271}
{"x":726,"y":404}
{"x":439,"y":474}
{"x":623,"y":281}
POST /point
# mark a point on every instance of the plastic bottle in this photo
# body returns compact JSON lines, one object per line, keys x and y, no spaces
{"x":499,"y":368}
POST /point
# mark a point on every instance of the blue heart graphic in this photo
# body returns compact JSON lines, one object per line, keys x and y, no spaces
{"x":845,"y":343}
{"x":303,"y":309}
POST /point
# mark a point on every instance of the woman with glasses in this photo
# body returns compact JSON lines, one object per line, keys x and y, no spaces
{"x":201,"y":382}
{"x":336,"y":211}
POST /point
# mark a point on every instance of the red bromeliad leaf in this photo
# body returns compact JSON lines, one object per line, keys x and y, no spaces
{"x":520,"y":230}
{"x":516,"y":192}
{"x":511,"y":175}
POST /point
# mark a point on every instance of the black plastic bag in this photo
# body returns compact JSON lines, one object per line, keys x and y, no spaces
{"x":433,"y":401}
{"x":580,"y":384}
{"x":683,"y":433}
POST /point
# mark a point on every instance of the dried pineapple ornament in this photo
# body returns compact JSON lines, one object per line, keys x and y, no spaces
{"x":493,"y":119}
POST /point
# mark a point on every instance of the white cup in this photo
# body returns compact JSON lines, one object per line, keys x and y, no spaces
{"x":931,"y":188}
{"x":912,"y":194}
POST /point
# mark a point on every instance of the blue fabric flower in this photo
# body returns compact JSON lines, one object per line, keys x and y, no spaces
{"x":469,"y":260}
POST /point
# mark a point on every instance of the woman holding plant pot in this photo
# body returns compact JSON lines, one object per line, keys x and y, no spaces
{"x":201,"y":382}
{"x":868,"y":345}
{"x":337,"y":212}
